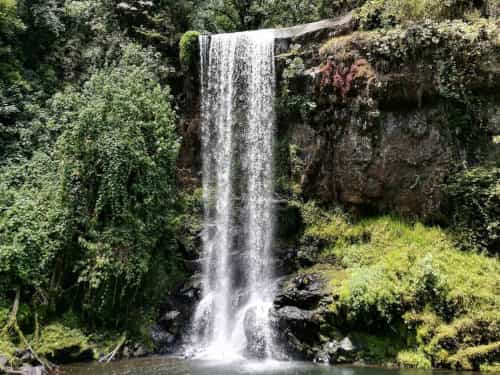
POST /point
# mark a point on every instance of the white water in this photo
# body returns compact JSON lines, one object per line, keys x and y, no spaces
{"x":238,"y":89}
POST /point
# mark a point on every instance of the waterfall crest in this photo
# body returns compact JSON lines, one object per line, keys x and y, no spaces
{"x":237,"y":95}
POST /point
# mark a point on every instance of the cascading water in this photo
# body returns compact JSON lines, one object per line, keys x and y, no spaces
{"x":237,"y":91}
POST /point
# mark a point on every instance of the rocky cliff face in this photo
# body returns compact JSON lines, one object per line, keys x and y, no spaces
{"x":378,"y":133}
{"x":359,"y":127}
{"x":375,"y":122}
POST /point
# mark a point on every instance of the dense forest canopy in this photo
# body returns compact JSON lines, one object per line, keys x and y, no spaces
{"x":90,"y":101}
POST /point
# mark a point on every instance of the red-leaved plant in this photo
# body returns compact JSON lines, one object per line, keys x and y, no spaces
{"x":339,"y":77}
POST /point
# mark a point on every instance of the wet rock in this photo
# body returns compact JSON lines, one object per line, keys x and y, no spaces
{"x":289,"y":220}
{"x":140,"y":351}
{"x":285,"y":259}
{"x":171,"y":321}
{"x":337,"y":352}
{"x":303,"y":324}
{"x":24,"y":355}
{"x":3,"y":360}
{"x":305,"y":292}
{"x":175,"y":314}
{"x":163,"y":341}
{"x":32,"y":370}
{"x":126,"y":352}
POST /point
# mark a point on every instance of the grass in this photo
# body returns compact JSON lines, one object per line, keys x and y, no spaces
{"x":390,"y":272}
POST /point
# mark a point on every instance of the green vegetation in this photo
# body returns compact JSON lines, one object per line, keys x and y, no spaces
{"x":474,"y":200}
{"x":413,"y":359}
{"x":58,"y":342}
{"x":433,"y":51}
{"x":95,"y":225}
{"x":412,"y":279}
{"x":389,"y":13}
{"x":188,"y":48}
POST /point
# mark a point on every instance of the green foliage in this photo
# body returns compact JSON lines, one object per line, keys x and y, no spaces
{"x":239,"y":15}
{"x":32,"y":223}
{"x":413,"y":359}
{"x":474,"y":203}
{"x":117,"y":151}
{"x":7,"y":348}
{"x":294,"y":104}
{"x":379,"y":349}
{"x":188,"y":49}
{"x":472,"y":358}
{"x":402,"y":276}
{"x":57,"y":339}
{"x":451,"y":52}
{"x":10,"y":26}
{"x":288,"y":12}
{"x":389,"y":13}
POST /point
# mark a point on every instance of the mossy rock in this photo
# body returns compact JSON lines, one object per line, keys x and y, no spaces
{"x":61,"y":344}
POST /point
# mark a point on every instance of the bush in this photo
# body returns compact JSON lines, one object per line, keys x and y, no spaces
{"x":413,"y":359}
{"x":117,"y":155}
{"x":32,"y":223}
{"x":474,"y":206}
{"x":188,"y":49}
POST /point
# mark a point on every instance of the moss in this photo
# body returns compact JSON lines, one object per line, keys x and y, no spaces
{"x":62,"y":344}
{"x":188,"y":47}
{"x":7,"y":347}
{"x":495,"y":368}
{"x":413,"y":359}
{"x":472,"y":358}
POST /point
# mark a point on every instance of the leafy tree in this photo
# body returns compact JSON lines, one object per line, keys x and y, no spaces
{"x":117,"y":152}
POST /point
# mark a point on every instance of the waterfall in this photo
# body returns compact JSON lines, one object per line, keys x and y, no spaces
{"x":237,"y":106}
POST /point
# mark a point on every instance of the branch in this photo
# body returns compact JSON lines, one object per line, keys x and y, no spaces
{"x":44,"y":362}
{"x":13,"y":313}
{"x":108,"y":358}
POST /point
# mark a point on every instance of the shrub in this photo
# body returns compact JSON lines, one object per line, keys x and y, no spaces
{"x":188,"y":49}
{"x":413,"y":359}
{"x":32,"y":225}
{"x":7,"y":348}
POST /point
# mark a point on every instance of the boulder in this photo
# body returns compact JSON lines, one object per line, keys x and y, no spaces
{"x":302,"y":324}
{"x":171,"y":321}
{"x":140,"y":351}
{"x":32,"y":370}
{"x":337,"y":352}
{"x":305,"y":292}
{"x":163,"y":340}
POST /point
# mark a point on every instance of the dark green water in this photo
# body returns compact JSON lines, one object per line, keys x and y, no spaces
{"x":172,"y":366}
